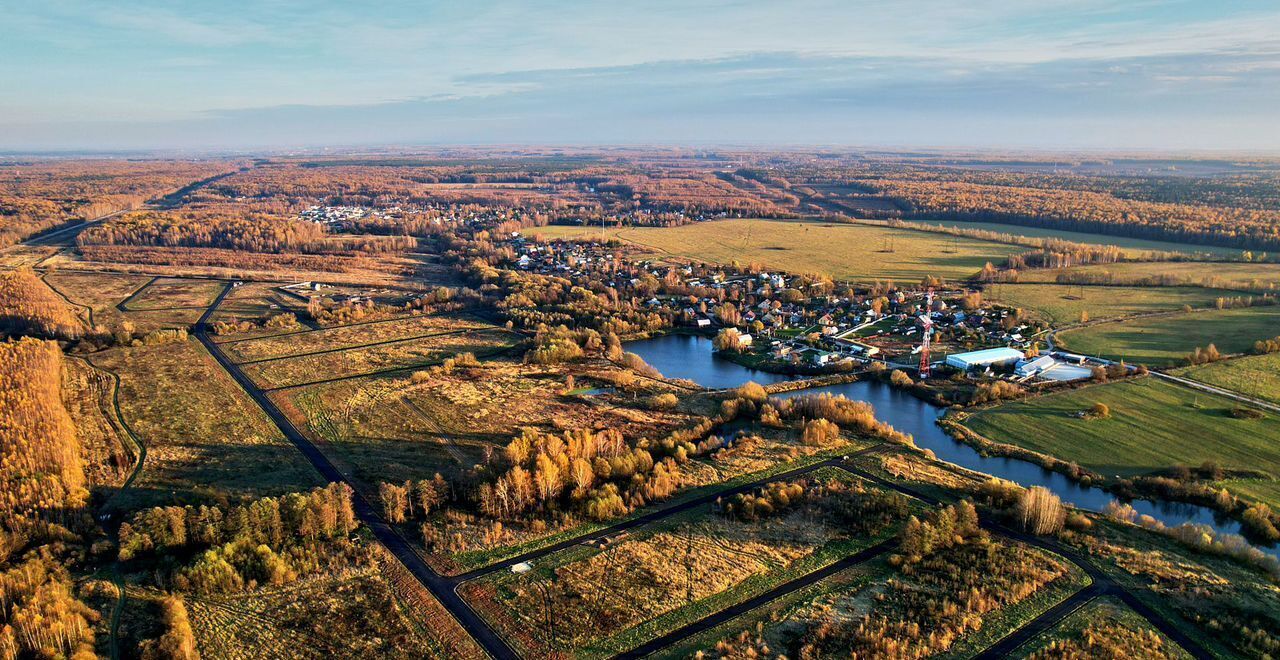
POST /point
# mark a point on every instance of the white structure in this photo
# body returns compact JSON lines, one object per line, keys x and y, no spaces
{"x":985,"y":358}
{"x":1034,"y":367}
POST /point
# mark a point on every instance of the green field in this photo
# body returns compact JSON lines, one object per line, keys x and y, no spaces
{"x":1062,"y":304}
{"x":1154,"y":424}
{"x":1238,"y":276}
{"x":1165,"y":341}
{"x":1101,"y":625}
{"x":1256,"y":376}
{"x":842,"y":251}
{"x":1135,"y":245}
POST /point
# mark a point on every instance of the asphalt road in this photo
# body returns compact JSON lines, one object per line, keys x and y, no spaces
{"x":444,"y":588}
{"x":439,"y":586}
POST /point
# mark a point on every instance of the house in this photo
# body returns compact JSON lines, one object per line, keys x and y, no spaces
{"x":703,"y":323}
{"x":744,"y":339}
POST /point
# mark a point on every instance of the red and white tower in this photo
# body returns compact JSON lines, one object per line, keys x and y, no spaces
{"x":927,"y":321}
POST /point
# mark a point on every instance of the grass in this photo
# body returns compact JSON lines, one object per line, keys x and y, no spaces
{"x":1062,"y":304}
{"x":1108,"y":623}
{"x":1165,"y":341}
{"x":636,"y":588}
{"x":1153,"y":425}
{"x":206,"y":439}
{"x":1257,"y":376}
{"x":847,"y":597}
{"x":842,"y":251}
{"x":345,"y":336}
{"x":1135,"y":246}
{"x":1239,"y":276}
{"x":99,"y":291}
{"x":168,"y":293}
{"x":421,"y":352}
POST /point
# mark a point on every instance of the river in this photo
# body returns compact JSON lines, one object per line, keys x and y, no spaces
{"x":691,"y":358}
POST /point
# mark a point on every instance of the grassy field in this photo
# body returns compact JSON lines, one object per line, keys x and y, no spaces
{"x":1240,"y":276}
{"x":1136,"y":246}
{"x":1103,"y":626}
{"x":843,"y":251}
{"x":1165,"y":341}
{"x":168,"y":293}
{"x":345,"y":336}
{"x":205,"y":438}
{"x":1060,"y":304}
{"x":1153,"y":425}
{"x":671,"y":573}
{"x":1257,"y":376}
{"x":844,"y":600}
{"x":290,"y":372}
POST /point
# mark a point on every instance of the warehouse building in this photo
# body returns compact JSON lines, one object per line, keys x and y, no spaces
{"x":985,"y":358}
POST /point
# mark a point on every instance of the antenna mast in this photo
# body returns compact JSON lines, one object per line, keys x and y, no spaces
{"x":928,"y":330}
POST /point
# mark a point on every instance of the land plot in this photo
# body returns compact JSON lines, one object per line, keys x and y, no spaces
{"x":358,"y":613}
{"x":1135,"y":246}
{"x":1104,"y":628}
{"x":100,"y":292}
{"x":256,"y":301}
{"x":391,"y":428}
{"x":1061,"y":304}
{"x":291,"y":372}
{"x":1165,"y":341}
{"x":1257,"y":376}
{"x":842,"y":251}
{"x":168,"y":293}
{"x":347,"y":336}
{"x":205,"y":438}
{"x":1228,"y":606}
{"x":954,"y":603}
{"x":1236,"y":276}
{"x":676,"y":571}
{"x":1153,"y":425}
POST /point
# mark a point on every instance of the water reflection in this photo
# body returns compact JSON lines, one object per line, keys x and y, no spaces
{"x":691,"y":358}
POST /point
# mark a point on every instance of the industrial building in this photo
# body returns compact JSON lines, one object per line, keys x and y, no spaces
{"x":989,"y":357}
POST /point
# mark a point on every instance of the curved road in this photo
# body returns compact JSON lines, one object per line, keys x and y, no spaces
{"x":444,"y":588}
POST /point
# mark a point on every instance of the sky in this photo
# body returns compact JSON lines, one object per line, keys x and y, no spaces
{"x":259,"y":74}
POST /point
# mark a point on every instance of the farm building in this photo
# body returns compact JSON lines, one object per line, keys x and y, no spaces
{"x":1035,"y":366}
{"x":984,"y":358}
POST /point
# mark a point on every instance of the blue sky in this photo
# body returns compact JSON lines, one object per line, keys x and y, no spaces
{"x":1150,"y":74}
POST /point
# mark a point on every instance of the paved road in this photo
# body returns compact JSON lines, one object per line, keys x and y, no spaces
{"x":1219,"y":391}
{"x":442,"y":588}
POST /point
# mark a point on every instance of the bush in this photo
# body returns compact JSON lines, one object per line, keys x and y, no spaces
{"x":665,"y":401}
{"x":752,"y":391}
{"x":1100,"y":411}
{"x":1040,"y":511}
{"x":899,"y":378}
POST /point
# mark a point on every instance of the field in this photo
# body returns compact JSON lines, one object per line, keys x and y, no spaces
{"x":406,"y":354}
{"x":1165,"y":341}
{"x":1153,"y":425}
{"x":171,"y":293}
{"x":1238,"y":276}
{"x":205,"y":438}
{"x":1135,"y":246}
{"x":346,"y":336}
{"x":1257,"y":376}
{"x":1104,"y":627}
{"x":257,"y":301}
{"x":678,"y":570}
{"x":1062,"y":304}
{"x":842,"y":251}
{"x":866,"y":594}
{"x":391,"y":428}
{"x":97,"y":291}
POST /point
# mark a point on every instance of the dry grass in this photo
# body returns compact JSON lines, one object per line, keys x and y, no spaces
{"x":290,"y":372}
{"x":345,"y":336}
{"x":206,"y":438}
{"x":842,"y":251}
{"x":168,"y":293}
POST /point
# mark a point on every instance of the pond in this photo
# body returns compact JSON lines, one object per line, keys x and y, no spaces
{"x":691,"y":358}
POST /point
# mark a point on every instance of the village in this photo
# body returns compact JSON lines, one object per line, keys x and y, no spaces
{"x":775,"y":321}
